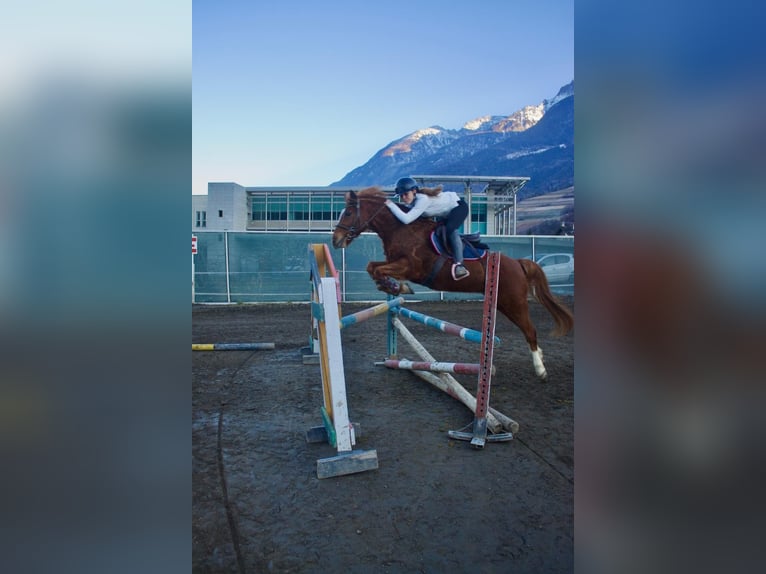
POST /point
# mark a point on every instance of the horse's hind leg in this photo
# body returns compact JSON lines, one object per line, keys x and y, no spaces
{"x":537,"y":361}
{"x":519,"y":315}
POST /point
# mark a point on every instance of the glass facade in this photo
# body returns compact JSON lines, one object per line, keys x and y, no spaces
{"x":479,"y":216}
{"x":319,"y":211}
{"x":295,"y":211}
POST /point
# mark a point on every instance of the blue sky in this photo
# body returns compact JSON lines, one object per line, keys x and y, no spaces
{"x":298,"y":92}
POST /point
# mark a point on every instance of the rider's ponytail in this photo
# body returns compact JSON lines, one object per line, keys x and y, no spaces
{"x":431,"y":191}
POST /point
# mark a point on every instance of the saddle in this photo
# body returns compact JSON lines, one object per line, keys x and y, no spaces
{"x":473,"y":247}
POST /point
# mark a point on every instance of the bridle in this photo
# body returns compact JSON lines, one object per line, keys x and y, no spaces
{"x":357,"y":228}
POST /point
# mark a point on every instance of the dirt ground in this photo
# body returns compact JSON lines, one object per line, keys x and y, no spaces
{"x":434,"y":505}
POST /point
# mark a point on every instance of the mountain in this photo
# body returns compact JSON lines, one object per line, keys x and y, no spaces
{"x":536,"y":141}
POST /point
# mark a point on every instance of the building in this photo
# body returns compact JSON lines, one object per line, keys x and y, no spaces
{"x":229,"y":206}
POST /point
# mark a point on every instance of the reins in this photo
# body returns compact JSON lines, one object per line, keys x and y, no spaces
{"x":352,"y":232}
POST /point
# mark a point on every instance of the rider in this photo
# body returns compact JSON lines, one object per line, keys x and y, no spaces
{"x":446,"y":206}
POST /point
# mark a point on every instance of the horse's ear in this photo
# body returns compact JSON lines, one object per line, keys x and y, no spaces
{"x":351,"y":196}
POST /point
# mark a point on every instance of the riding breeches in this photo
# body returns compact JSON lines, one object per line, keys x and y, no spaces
{"x":452,"y":223}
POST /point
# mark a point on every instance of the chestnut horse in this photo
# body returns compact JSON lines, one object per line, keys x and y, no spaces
{"x":410,"y":256}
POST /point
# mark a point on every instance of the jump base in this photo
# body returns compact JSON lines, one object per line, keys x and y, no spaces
{"x":309,"y":357}
{"x":478,"y":441}
{"x":347,"y":463}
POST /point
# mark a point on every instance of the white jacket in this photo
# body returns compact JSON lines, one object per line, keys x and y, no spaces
{"x":437,"y":206}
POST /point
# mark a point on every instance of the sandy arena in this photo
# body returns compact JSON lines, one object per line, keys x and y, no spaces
{"x":434,"y":505}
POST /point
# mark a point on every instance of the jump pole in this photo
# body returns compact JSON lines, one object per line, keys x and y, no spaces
{"x":445,"y":382}
{"x":366,"y":314}
{"x":435,"y":366}
{"x":443,"y":326}
{"x":434,"y":373}
{"x":232,"y":346}
{"x":337,"y":429}
{"x":505,"y":421}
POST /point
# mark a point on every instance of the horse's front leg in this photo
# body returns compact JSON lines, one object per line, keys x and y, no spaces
{"x":386,"y":273}
{"x":372,"y":267}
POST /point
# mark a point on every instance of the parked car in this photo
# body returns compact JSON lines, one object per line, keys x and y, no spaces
{"x":558,"y":267}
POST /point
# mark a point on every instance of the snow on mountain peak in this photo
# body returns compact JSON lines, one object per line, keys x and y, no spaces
{"x":522,"y":120}
{"x":405,"y":144}
{"x":489,"y":144}
{"x":415,"y":136}
{"x":435,"y":137}
{"x":564,"y":92}
{"x":476,"y":124}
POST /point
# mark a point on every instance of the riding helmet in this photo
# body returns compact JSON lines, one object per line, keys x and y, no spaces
{"x":405,"y":184}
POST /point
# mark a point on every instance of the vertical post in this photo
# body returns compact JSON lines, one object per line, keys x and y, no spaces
{"x":226,"y":257}
{"x":337,"y":429}
{"x":392,"y":339}
{"x":487,"y":347}
{"x":343,"y":281}
{"x":469,"y":201}
{"x":332,"y":366}
{"x":514,"y":212}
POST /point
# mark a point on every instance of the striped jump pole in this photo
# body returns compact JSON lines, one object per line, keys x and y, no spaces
{"x":231,"y":346}
{"x":434,"y":366}
{"x":503,"y":421}
{"x":447,"y":383}
{"x":444,"y":326}
{"x":366,"y":314}
{"x":439,"y":374}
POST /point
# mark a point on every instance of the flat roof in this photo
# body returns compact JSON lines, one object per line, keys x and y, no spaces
{"x":310,"y":189}
{"x":496,"y":183}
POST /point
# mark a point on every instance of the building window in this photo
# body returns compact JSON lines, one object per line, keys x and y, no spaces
{"x":322,"y":207}
{"x":479,"y":214}
{"x":220,"y":213}
{"x":258,"y":206}
{"x":299,"y":207}
{"x":201,"y":219}
{"x":278,"y":204}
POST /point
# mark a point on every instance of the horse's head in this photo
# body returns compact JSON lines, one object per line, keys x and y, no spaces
{"x":347,"y":228}
{"x":361,"y":208}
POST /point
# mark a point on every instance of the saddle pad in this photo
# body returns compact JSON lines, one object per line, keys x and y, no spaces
{"x":470,"y":253}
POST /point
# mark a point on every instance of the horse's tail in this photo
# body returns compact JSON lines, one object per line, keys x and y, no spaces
{"x":537,"y":280}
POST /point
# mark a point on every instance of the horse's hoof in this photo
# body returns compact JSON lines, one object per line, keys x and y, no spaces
{"x":391,"y":286}
{"x":405,"y":289}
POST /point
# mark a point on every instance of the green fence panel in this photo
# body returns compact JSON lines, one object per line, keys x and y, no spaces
{"x":274,"y":266}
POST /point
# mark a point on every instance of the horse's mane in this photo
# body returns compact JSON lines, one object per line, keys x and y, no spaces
{"x":374,"y":192}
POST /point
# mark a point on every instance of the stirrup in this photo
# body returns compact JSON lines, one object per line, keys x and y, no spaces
{"x":461,"y":276}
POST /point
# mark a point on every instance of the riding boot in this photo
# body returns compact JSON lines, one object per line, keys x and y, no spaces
{"x":458,"y":270}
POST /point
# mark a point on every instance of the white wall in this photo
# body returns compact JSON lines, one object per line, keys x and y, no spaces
{"x":226,"y":207}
